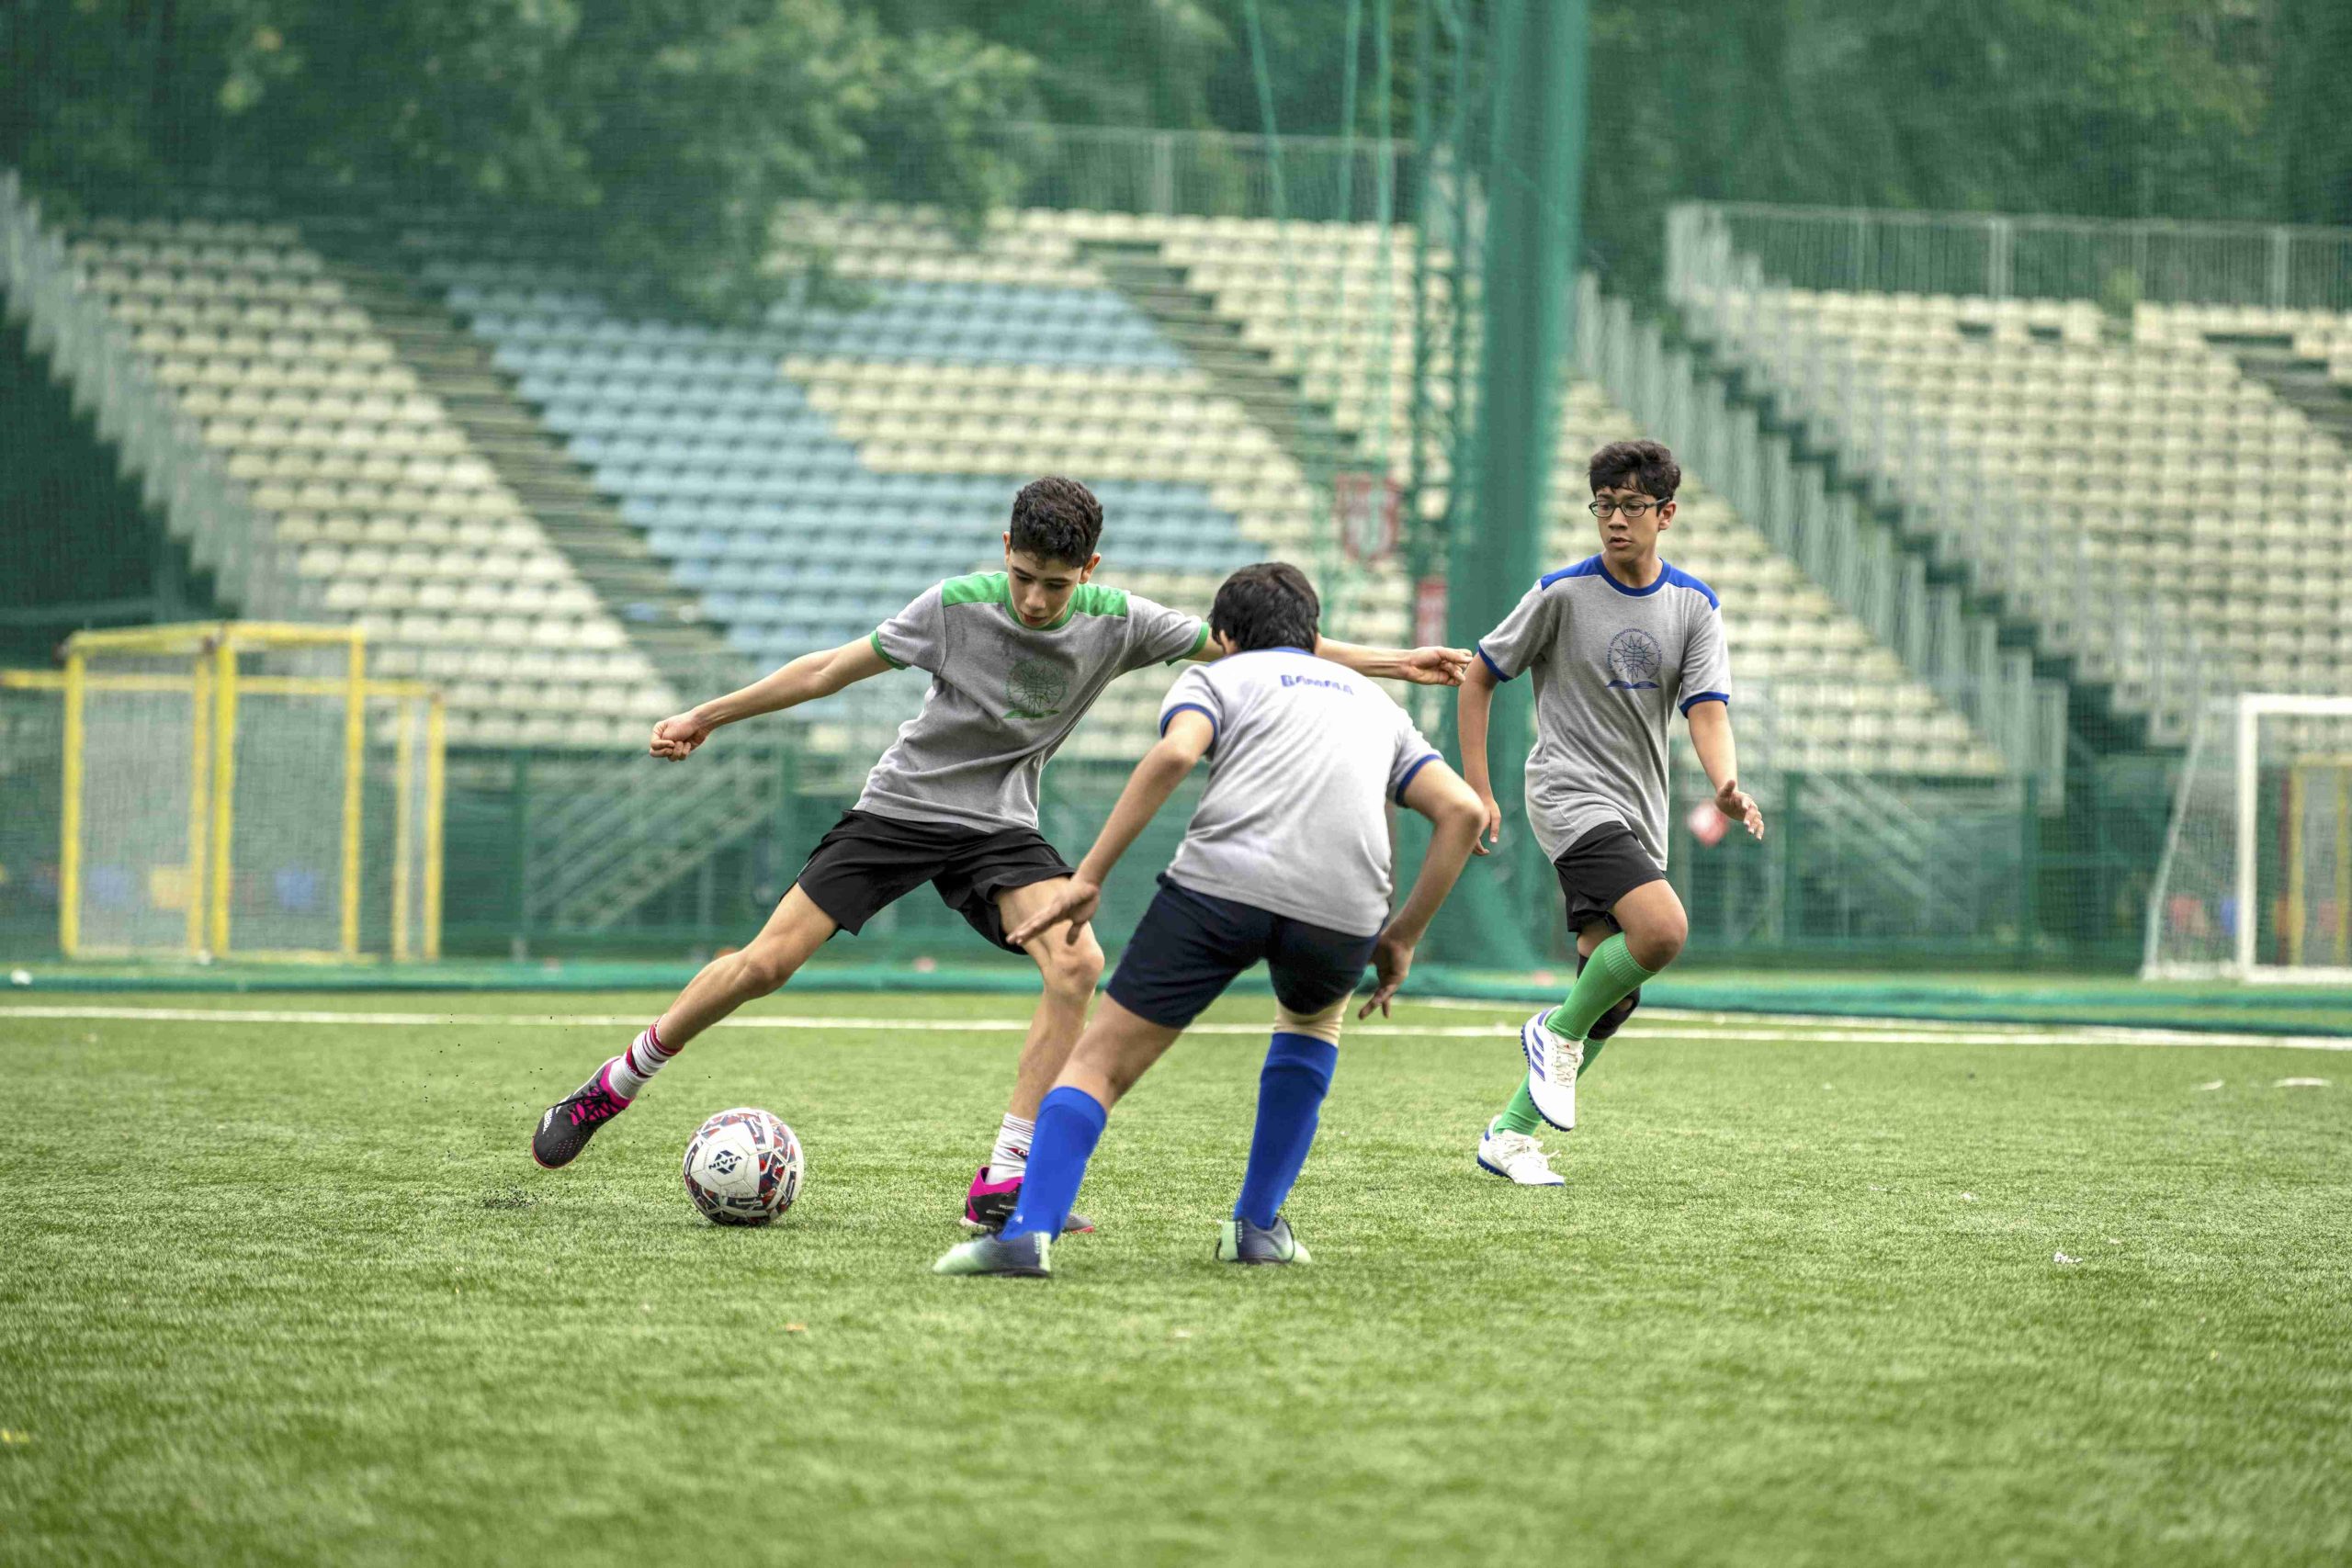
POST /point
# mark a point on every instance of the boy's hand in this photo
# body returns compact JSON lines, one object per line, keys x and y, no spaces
{"x":1392,"y":960}
{"x":1076,"y":902}
{"x":1436,"y":666}
{"x":1492,"y":834}
{"x":1741,"y":808}
{"x":676,"y":739}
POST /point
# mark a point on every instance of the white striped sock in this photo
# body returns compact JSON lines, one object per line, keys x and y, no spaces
{"x":633,"y":1066}
{"x":1010,"y":1158}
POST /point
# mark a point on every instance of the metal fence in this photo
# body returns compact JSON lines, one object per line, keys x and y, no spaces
{"x":2000,"y":255}
{"x":1213,"y":173}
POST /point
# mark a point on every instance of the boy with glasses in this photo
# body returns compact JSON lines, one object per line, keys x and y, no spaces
{"x":1618,"y":643}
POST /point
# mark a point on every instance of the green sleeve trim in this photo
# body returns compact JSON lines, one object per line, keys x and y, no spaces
{"x":1199,"y":643}
{"x":979,"y":587}
{"x":875,"y":636}
{"x":1092,"y":599}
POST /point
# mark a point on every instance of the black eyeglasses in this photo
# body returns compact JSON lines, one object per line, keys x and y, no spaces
{"x":1630,"y":509}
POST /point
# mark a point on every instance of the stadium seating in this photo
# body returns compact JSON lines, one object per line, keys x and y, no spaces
{"x":1333,"y":303}
{"x":374,"y":495}
{"x":804,"y":479}
{"x":2142,"y":475}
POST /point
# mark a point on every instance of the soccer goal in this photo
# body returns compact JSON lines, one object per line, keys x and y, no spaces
{"x":233,"y":788}
{"x":2255,"y":881}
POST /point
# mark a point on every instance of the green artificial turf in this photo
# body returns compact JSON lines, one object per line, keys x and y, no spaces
{"x":293,"y":1292}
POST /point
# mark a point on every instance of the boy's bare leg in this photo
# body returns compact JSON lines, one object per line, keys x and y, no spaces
{"x":1068,"y":970}
{"x":793,"y":933}
{"x":1113,"y":1053}
{"x":797,"y":929}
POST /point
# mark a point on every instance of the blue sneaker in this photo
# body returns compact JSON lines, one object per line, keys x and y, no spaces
{"x":1239,"y":1241}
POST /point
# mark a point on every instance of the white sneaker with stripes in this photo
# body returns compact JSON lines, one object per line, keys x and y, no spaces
{"x":1517,"y":1158}
{"x":1552,"y":1065}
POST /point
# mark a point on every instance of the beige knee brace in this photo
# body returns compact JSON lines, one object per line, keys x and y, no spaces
{"x":1323,"y":1026}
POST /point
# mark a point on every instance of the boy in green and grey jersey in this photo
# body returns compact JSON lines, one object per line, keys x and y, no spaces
{"x":1016,"y":658}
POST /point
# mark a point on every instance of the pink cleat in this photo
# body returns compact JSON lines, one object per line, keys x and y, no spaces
{"x":570,"y":1121}
{"x":990,"y":1203}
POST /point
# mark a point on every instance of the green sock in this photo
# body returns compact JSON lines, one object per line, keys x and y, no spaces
{"x":1520,"y":1115}
{"x":1609,"y":977}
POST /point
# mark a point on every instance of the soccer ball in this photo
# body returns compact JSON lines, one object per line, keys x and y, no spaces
{"x":742,"y":1167}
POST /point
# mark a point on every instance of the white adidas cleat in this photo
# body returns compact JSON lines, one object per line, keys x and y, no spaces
{"x":1517,"y":1158}
{"x":1552,"y":1065}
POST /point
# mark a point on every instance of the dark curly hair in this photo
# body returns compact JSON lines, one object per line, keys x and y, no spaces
{"x":1056,"y":520}
{"x":1643,"y":466}
{"x":1270,"y":605}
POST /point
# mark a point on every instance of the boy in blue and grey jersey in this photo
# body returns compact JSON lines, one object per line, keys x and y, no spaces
{"x":1016,"y":658}
{"x":1617,"y":644}
{"x":1286,"y":860}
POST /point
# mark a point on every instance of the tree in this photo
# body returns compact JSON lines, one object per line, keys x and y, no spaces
{"x":667,"y":134}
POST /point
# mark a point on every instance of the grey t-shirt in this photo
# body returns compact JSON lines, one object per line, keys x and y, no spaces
{"x":1613,"y":664}
{"x":1003,"y":696}
{"x":1305,"y":756}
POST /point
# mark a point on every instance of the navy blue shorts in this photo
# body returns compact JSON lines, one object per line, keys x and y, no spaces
{"x":1189,"y":947}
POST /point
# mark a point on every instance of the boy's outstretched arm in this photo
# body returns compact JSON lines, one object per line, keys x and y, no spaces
{"x":1710,"y":738}
{"x":1186,"y":740}
{"x":1456,"y":812}
{"x":1422,"y":666}
{"x":1472,"y":710}
{"x":807,"y":678}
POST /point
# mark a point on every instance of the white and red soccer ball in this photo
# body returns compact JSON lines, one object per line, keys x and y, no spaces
{"x":743,"y":1167}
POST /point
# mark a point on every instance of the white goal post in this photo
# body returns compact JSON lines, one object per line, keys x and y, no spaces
{"x":2256,"y":879}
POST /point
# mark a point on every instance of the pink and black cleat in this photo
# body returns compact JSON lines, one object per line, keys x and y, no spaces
{"x":990,"y":1203}
{"x":570,"y":1121}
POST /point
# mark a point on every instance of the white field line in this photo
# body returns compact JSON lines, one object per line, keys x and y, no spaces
{"x":1765,"y":1029}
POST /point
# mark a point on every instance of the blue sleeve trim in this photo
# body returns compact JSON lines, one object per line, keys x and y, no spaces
{"x":1695,"y":698}
{"x":1406,"y":783}
{"x":1589,"y":566}
{"x":1675,"y":574}
{"x":1490,"y":663}
{"x":1170,"y":717}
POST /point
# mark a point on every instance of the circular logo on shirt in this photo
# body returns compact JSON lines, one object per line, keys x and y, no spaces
{"x":1035,"y":688}
{"x":1634,"y":661}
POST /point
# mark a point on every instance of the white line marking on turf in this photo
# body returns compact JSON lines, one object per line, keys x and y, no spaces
{"x":1765,"y":1029}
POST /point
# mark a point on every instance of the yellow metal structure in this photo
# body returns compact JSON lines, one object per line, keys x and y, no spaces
{"x":2316,"y":786}
{"x":213,"y":684}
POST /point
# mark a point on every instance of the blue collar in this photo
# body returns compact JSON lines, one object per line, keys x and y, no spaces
{"x":1665,"y":575}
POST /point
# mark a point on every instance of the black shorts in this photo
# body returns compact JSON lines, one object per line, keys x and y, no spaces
{"x":1190,"y":946}
{"x":868,"y":863}
{"x":1600,"y":868}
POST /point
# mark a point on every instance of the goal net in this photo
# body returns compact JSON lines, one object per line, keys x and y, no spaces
{"x":243,"y":789}
{"x":2255,"y":881}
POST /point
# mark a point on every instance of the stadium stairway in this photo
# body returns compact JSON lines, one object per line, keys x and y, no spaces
{"x":1139,"y":269}
{"x":1980,"y":618}
{"x":451,"y":363}
{"x":2302,"y":381}
{"x":624,"y":830}
{"x":620,"y":835}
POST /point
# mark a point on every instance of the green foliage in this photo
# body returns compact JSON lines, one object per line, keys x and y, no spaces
{"x":2172,"y":108}
{"x":664,"y":132}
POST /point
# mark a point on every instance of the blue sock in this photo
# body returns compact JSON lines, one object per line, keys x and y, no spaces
{"x":1069,"y":1123}
{"x":1290,"y":1102}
